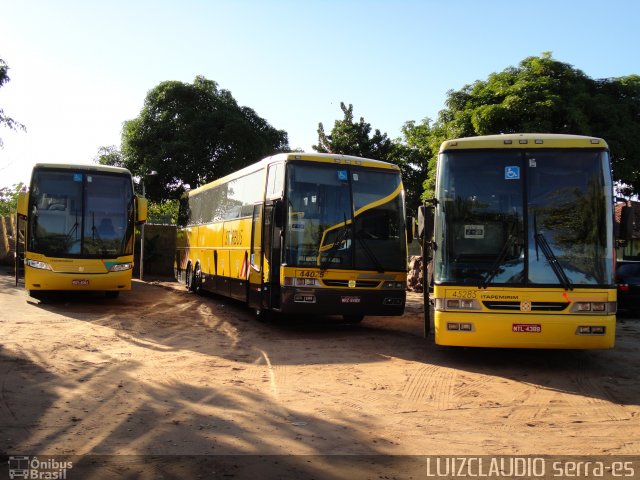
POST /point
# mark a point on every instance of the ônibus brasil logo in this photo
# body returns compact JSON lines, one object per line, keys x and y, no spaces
{"x":33,"y":468}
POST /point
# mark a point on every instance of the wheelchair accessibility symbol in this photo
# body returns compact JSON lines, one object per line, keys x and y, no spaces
{"x":512,"y":173}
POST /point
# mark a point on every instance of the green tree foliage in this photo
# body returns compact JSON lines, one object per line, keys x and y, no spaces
{"x":110,"y":156}
{"x":352,"y":138}
{"x":9,"y":199}
{"x":5,"y":120}
{"x":546,"y":96}
{"x":615,"y":116}
{"x":349,"y":137}
{"x":416,"y":154}
{"x":163,"y":213}
{"x":192,"y":134}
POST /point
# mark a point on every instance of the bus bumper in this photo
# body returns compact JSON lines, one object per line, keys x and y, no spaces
{"x":37,"y":279}
{"x":524,"y":331}
{"x":342,"y":302}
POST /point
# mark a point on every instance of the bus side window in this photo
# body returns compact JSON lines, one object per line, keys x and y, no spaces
{"x":275,"y":181}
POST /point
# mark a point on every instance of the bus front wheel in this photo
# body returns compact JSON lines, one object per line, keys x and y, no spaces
{"x":196,"y":280}
{"x":263,"y":315}
{"x":187,"y":278}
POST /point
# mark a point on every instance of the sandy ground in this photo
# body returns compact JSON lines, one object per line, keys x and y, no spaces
{"x":163,"y":372}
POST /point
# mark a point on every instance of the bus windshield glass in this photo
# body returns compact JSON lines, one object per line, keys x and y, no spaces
{"x":344,"y":217}
{"x":534,"y":217}
{"x":80,"y":214}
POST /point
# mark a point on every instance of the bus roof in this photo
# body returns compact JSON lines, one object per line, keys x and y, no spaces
{"x":305,"y":156}
{"x":332,"y":158}
{"x":524,"y":140}
{"x":86,"y":167}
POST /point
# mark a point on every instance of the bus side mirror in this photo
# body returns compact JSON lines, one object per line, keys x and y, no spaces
{"x":278,"y":216}
{"x":410,"y":228}
{"x":626,"y":223}
{"x":23,"y":203}
{"x":425,"y":222}
{"x":141,"y":209}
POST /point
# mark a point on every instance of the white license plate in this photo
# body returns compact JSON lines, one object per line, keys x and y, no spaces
{"x":81,"y":282}
{"x":526,"y":328}
{"x":350,"y":299}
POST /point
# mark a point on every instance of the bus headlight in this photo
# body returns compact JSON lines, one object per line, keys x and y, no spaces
{"x":394,"y":285}
{"x":602,"y":308}
{"x":37,"y":264}
{"x":121,"y":267}
{"x":443,"y":304}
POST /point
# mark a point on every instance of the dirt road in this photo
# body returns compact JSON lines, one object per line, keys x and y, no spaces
{"x":163,"y":372}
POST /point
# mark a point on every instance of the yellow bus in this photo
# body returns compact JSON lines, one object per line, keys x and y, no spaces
{"x":299,"y":233}
{"x":522,"y":226}
{"x":79,"y":228}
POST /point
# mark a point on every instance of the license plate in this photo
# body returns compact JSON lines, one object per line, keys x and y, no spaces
{"x":527,"y":328}
{"x":80,"y":282}
{"x":350,"y":299}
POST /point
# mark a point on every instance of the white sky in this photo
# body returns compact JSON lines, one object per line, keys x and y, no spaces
{"x":79,"y":69}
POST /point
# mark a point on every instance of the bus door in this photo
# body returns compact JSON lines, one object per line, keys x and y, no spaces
{"x":254,"y":296}
{"x":272,"y":248}
{"x":20,"y":232}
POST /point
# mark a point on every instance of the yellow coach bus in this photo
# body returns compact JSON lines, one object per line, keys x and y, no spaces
{"x":524,"y":246}
{"x":79,"y":228}
{"x":299,"y":233}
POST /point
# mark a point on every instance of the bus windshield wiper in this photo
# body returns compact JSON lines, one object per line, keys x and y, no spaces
{"x":553,"y":261}
{"x":333,"y":250}
{"x":495,"y":268}
{"x":541,"y":241}
{"x":372,"y":256}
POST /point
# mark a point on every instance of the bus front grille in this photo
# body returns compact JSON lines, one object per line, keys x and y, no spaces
{"x":345,"y":283}
{"x":535,"y":306}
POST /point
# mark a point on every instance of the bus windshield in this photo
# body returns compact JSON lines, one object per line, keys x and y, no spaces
{"x":533,"y":217}
{"x":73,"y":214}
{"x":344,"y":217}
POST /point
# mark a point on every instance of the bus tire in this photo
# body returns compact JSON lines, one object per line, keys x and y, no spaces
{"x":353,"y":318}
{"x":112,"y":294}
{"x":196,"y":282}
{"x":263,"y":315}
{"x":187,"y":277}
{"x":36,"y":294}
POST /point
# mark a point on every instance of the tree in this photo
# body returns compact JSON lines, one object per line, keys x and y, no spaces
{"x":9,"y":199}
{"x":351,"y":138}
{"x":163,"y":213}
{"x":192,"y":134}
{"x":547,"y":96}
{"x":416,"y":155}
{"x":541,"y":95}
{"x":110,"y":156}
{"x":615,"y":116}
{"x":5,"y":120}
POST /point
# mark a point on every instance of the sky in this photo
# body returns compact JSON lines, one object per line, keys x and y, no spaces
{"x":79,"y":69}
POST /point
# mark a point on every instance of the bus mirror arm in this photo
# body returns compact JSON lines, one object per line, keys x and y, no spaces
{"x":410,"y":222}
{"x":625,"y":231}
{"x":426,"y":221}
{"x":278,"y":215}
